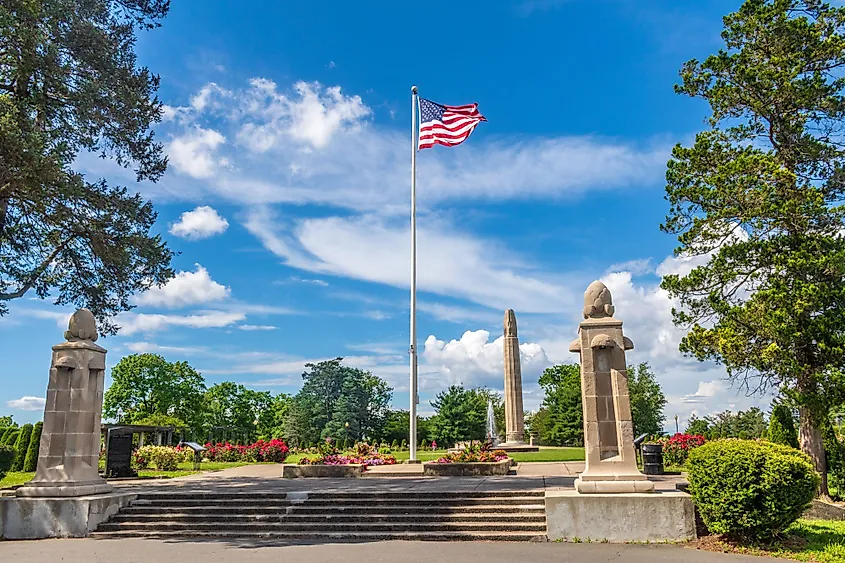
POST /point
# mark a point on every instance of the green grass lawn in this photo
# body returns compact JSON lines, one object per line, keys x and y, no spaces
{"x":817,"y":541}
{"x":14,"y":478}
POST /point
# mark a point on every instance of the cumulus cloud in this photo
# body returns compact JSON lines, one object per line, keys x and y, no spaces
{"x":474,"y":360}
{"x":202,"y":222}
{"x":194,"y":152}
{"x":27,"y":403}
{"x":186,"y":288}
{"x":312,"y":116}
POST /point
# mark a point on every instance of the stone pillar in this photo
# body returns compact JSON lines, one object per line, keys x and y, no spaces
{"x":70,"y":439}
{"x":608,"y":429}
{"x":514,"y":416}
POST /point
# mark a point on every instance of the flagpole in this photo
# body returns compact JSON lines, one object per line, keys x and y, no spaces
{"x":413,"y":366}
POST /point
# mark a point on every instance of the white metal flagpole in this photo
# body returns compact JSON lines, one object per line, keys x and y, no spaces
{"x":413,"y":367}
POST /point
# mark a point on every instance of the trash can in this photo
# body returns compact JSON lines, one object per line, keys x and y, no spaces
{"x":653,"y":459}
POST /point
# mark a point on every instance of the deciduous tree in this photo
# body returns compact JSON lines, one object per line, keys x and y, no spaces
{"x":146,"y":384}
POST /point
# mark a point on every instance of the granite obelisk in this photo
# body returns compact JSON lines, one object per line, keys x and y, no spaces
{"x":514,"y":421}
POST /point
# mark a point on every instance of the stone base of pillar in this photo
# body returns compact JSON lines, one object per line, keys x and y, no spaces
{"x":37,"y":518}
{"x":658,"y":517}
{"x":516,"y":447}
{"x":614,"y":485}
{"x":56,"y":490}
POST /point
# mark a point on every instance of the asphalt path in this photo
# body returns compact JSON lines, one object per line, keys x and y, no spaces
{"x":212,"y":551}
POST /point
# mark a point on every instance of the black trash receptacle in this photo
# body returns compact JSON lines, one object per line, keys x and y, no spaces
{"x":653,"y":459}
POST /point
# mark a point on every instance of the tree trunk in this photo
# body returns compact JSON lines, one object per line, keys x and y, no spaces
{"x":812,"y":444}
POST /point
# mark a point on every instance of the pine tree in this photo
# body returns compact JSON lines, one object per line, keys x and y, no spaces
{"x":31,"y":461}
{"x":782,"y":427}
{"x":21,"y":445}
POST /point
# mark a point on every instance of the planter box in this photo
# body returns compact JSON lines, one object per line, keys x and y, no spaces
{"x":467,"y":469}
{"x":290,"y":471}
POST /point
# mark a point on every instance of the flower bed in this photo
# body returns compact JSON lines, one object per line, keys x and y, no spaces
{"x":677,"y":448}
{"x":272,"y":451}
{"x":475,"y":459}
{"x":364,"y":455}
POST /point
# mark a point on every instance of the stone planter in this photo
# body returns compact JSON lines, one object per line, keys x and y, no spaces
{"x":290,"y":471}
{"x":467,"y":469}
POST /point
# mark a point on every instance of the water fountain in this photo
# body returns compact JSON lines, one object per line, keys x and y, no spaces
{"x":492,"y":437}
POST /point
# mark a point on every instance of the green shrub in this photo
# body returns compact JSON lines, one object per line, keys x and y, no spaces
{"x":782,"y":427}
{"x":12,"y":437}
{"x":31,"y":461}
{"x":424,"y":444}
{"x":5,"y":431}
{"x":7,"y":458}
{"x":404,"y":445}
{"x":750,"y":489}
{"x":21,"y":445}
{"x":164,"y":458}
{"x":394,"y":445}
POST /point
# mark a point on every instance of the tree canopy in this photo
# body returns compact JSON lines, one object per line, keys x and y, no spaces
{"x":758,"y":198}
{"x":70,"y":84}
{"x":144,"y":385}
{"x":461,"y":414}
{"x":337,"y":401}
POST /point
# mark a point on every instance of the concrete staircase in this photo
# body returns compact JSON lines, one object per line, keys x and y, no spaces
{"x":353,"y":516}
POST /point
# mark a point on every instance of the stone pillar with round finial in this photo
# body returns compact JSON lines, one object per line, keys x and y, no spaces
{"x":611,"y":465}
{"x":70,"y":439}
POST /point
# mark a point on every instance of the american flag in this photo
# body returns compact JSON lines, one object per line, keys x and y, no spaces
{"x":446,"y":125}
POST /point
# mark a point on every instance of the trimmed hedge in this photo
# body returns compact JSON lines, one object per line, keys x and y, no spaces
{"x":12,"y":437}
{"x":4,"y":433}
{"x":750,"y":489}
{"x":21,"y":446}
{"x":7,"y":457}
{"x":31,"y":461}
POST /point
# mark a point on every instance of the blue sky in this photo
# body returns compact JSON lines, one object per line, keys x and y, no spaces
{"x":287,"y":127}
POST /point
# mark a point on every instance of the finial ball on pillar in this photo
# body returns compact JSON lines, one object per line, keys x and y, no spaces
{"x":598,"y":302}
{"x":82,"y":326}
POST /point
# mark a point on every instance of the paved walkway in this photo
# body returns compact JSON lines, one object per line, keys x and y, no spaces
{"x":401,"y":477}
{"x":168,"y":551}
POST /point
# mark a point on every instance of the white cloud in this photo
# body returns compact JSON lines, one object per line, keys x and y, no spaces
{"x":202,"y":222}
{"x":204,"y":99}
{"x":194,"y":152}
{"x":149,"y":347}
{"x":475,"y":360}
{"x":27,"y":403}
{"x":449,"y":263}
{"x":131,"y":323}
{"x":313,"y":116}
{"x":317,"y":145}
{"x":257,"y":327}
{"x":186,"y":288}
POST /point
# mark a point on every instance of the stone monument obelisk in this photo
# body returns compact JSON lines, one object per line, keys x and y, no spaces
{"x":514,"y":415}
{"x":70,"y":440}
{"x":608,"y":429}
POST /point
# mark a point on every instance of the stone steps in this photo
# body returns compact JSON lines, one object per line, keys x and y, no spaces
{"x":295,"y":517}
{"x":305,"y":509}
{"x":334,"y":516}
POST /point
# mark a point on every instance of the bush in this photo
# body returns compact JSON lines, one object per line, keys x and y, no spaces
{"x":748,"y":489}
{"x":7,"y":458}
{"x":164,"y":458}
{"x":31,"y":461}
{"x":834,"y":451}
{"x":404,"y":445}
{"x":12,"y":437}
{"x":21,"y":445}
{"x":782,"y":427}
